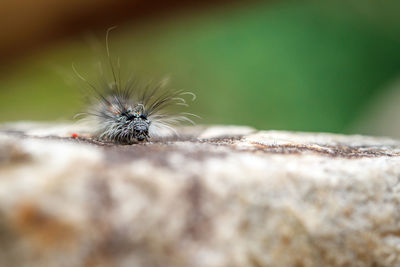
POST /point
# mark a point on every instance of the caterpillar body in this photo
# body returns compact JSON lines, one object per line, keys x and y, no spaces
{"x":125,"y":113}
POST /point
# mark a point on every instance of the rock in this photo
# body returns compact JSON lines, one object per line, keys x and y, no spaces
{"x":215,"y":196}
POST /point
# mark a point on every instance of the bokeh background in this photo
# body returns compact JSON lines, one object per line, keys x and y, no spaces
{"x":331,"y":66}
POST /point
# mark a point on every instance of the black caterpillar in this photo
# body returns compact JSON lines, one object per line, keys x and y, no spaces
{"x":125,"y":113}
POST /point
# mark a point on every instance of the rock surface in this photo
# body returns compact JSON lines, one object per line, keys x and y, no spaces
{"x":216,"y":196}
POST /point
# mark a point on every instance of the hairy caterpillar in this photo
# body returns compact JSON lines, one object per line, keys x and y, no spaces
{"x":125,"y":113}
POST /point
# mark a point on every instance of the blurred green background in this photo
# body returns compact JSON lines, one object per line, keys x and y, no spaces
{"x":292,"y":65}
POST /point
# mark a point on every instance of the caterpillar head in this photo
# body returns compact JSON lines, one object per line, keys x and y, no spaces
{"x":137,"y":125}
{"x":123,"y":124}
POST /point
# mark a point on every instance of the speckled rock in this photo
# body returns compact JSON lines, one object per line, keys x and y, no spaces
{"x":215,"y":196}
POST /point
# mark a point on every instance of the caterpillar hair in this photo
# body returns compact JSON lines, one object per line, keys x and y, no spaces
{"x":126,"y":113}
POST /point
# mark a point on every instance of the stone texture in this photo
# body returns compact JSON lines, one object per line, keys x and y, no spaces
{"x":215,"y":196}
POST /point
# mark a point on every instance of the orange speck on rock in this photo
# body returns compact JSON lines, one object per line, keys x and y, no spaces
{"x":74,"y":135}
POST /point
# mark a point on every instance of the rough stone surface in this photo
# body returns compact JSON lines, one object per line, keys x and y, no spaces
{"x":215,"y":196}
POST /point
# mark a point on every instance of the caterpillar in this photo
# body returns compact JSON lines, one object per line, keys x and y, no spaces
{"x":125,"y":113}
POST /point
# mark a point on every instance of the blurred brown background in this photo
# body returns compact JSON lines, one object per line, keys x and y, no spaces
{"x":29,"y":24}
